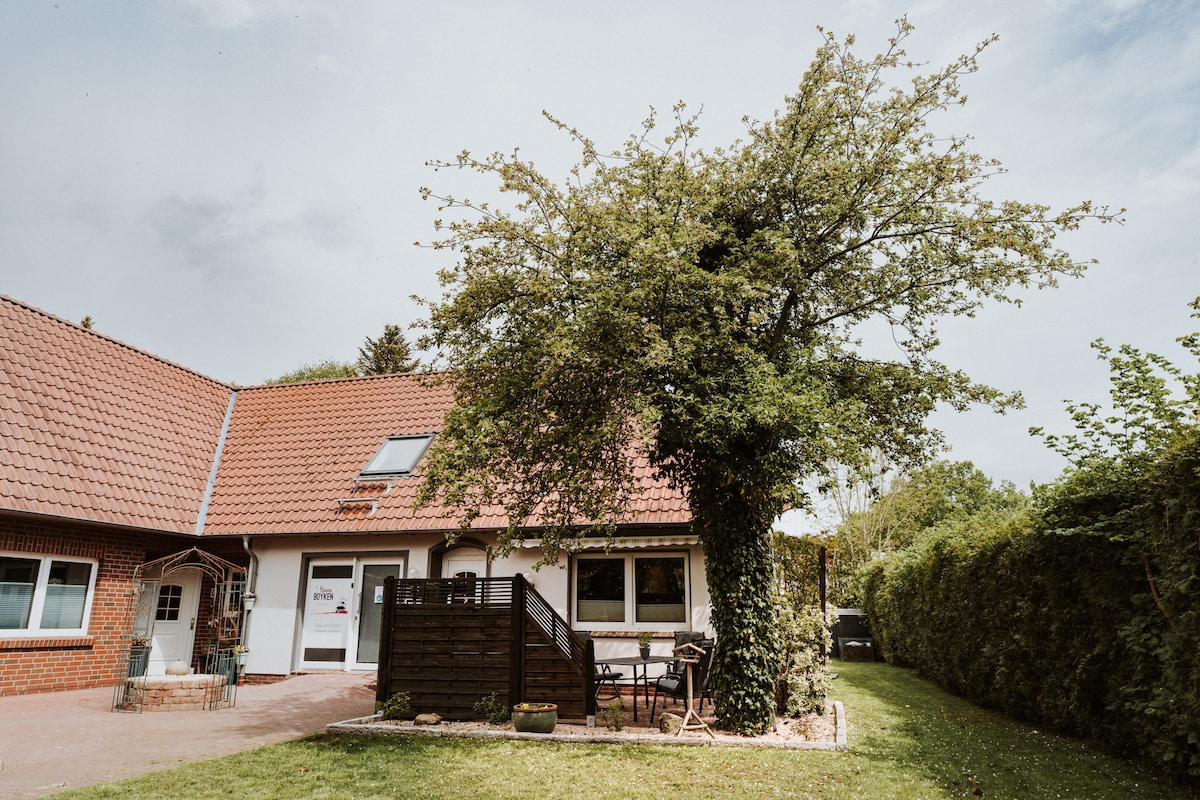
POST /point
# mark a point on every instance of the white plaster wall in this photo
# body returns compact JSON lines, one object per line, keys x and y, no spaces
{"x":275,"y":621}
{"x":274,"y":628}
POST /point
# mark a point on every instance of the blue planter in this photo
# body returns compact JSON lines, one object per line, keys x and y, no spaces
{"x":138,"y":656}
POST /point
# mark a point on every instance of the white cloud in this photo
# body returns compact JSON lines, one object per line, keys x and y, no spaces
{"x":237,"y":13}
{"x":233,"y":183}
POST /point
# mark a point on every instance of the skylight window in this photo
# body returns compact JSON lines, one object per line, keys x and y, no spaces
{"x":398,"y":455}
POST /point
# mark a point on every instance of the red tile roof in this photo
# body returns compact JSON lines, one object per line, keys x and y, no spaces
{"x":93,"y":429}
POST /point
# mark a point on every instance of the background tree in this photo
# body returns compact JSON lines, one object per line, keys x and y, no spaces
{"x":387,"y":354}
{"x":318,"y":371}
{"x":706,"y":309}
{"x":915,"y":501}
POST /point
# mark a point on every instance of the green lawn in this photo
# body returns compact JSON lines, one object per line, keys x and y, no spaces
{"x":908,"y":740}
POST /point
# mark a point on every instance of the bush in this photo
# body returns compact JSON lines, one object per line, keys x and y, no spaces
{"x":1081,"y":615}
{"x":492,"y":709}
{"x":803,"y":681}
{"x":398,"y":706}
{"x":614,"y":714}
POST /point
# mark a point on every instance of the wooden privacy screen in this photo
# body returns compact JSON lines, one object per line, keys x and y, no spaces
{"x":450,"y":642}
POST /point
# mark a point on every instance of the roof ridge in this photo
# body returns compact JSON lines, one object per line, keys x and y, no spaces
{"x":418,"y":375}
{"x":118,"y":342}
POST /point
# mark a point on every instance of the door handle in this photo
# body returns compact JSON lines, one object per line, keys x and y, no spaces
{"x":192,"y":624}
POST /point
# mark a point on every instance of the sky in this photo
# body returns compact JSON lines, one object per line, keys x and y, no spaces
{"x":234,"y":185}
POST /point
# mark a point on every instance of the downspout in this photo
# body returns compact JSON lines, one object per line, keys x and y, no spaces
{"x":252,"y":579}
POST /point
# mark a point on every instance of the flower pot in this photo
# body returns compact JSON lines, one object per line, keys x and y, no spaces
{"x":139,"y":654}
{"x":535,"y":717}
{"x":248,"y":601}
{"x":644,"y":651}
{"x":240,"y":658}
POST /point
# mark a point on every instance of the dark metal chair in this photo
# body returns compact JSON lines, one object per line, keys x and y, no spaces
{"x":682,"y":637}
{"x":605,"y":676}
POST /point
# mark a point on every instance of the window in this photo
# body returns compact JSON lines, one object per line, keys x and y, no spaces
{"x":45,"y":594}
{"x":170,"y":599}
{"x":616,"y":591}
{"x":397,"y":456}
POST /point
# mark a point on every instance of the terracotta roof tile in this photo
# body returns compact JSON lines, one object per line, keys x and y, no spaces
{"x":98,"y":430}
{"x":294,"y":451}
{"x":93,"y":429}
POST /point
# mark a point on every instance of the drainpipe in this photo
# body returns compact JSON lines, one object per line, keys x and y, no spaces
{"x":251,"y":582}
{"x":252,"y":579}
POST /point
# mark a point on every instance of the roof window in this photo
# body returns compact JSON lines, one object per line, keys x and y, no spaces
{"x":398,"y":455}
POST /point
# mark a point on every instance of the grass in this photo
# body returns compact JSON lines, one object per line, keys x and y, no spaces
{"x":908,"y":740}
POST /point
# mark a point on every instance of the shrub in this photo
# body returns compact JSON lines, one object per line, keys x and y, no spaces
{"x":398,"y":706}
{"x":614,"y":714}
{"x":492,"y":709}
{"x":803,"y":681}
{"x":1078,"y":616}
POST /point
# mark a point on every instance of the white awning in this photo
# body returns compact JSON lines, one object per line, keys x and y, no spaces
{"x":626,"y":542}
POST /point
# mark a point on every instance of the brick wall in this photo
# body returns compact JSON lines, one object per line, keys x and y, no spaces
{"x":54,"y":664}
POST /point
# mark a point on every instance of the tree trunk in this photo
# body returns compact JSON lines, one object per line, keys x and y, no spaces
{"x":736,"y":534}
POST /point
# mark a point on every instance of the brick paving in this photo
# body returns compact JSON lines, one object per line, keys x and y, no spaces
{"x":59,"y":740}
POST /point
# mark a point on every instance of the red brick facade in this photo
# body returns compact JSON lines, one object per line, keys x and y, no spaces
{"x":73,"y":662}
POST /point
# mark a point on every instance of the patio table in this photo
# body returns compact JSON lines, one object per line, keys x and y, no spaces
{"x":634,"y":662}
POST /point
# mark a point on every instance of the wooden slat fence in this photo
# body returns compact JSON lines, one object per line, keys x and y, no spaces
{"x":449,"y":642}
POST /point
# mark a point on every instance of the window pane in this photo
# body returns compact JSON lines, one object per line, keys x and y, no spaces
{"x":18,"y":576}
{"x":659,"y":589}
{"x":397,"y":456}
{"x":170,"y":598}
{"x":600,"y":589}
{"x":66,"y":594}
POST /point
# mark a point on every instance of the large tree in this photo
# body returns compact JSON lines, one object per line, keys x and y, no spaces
{"x":705,"y":308}
{"x":387,"y":354}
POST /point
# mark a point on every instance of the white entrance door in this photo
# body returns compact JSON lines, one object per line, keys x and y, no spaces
{"x":175,"y":608}
{"x":343,"y":609}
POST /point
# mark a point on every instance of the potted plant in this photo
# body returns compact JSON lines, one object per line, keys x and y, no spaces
{"x":139,"y":654}
{"x":535,"y":717}
{"x":248,"y":600}
{"x":239,"y":654}
{"x":644,"y":639}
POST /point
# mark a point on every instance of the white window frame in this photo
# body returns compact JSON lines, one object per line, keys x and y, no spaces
{"x":34,"y":631}
{"x":630,"y":622}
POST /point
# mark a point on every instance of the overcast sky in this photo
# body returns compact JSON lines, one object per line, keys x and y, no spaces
{"x":233,"y":184}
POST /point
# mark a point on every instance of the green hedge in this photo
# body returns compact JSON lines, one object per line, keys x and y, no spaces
{"x":1050,"y":615}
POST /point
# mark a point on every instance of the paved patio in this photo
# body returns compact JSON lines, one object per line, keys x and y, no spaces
{"x":59,"y":740}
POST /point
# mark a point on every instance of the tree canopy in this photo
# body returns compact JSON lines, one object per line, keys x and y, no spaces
{"x":387,"y":354}
{"x":328,"y":369}
{"x":706,"y":309}
{"x":382,"y":356}
{"x":914,"y":502}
